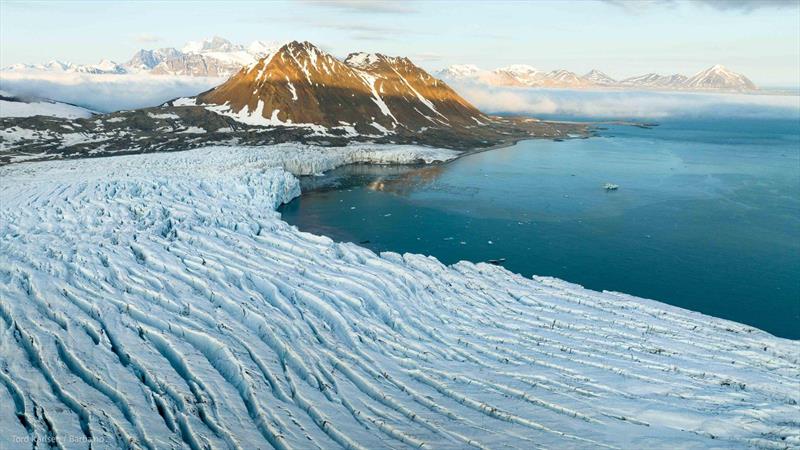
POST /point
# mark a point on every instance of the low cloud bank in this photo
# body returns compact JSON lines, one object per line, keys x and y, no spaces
{"x":619,"y":104}
{"x":108,"y":92}
{"x":104,"y":92}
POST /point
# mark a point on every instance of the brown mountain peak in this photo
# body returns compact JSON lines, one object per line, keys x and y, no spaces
{"x":371,"y":93}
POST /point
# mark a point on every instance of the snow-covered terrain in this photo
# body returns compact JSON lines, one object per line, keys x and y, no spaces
{"x":40,"y":107}
{"x":158,"y":301}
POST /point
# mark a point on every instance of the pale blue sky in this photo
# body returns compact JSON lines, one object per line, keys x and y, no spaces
{"x":760,"y":38}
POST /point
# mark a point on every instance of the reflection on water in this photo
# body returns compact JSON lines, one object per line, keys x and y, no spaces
{"x":405,"y":183}
{"x":706,"y":216}
{"x":395,"y":179}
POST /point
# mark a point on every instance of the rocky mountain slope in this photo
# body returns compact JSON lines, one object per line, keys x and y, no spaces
{"x":654,"y":80}
{"x":599,"y":78}
{"x":719,"y":77}
{"x":214,"y":57}
{"x":365,"y":93}
{"x":716,"y":78}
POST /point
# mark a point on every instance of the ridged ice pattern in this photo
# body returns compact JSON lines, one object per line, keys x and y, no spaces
{"x":158,"y":301}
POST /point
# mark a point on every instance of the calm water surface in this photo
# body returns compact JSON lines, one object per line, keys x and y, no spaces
{"x":707,"y":216}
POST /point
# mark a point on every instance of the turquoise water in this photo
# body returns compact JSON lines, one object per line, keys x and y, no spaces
{"x":707,"y":215}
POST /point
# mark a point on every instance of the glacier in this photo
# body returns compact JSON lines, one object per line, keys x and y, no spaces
{"x":159,"y":301}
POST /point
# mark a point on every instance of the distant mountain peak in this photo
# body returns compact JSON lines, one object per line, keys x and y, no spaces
{"x":214,"y":43}
{"x":598,"y":77}
{"x":519,"y":71}
{"x":720,"y":77}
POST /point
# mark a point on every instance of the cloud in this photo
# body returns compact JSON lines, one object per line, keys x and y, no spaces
{"x":146,"y":38}
{"x":426,"y":57}
{"x":104,"y":92}
{"x":363,"y":32}
{"x":369,"y":37}
{"x":720,"y":5}
{"x":366,"y":6}
{"x":747,"y":5}
{"x":627,"y":104}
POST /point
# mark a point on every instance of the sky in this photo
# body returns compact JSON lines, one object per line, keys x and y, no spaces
{"x":759,"y":38}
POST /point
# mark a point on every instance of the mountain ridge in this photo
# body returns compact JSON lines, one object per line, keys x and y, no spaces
{"x":219,"y":57}
{"x":715,"y":78}
{"x":211,"y":57}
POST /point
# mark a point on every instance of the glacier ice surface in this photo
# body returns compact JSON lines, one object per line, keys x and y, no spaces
{"x":158,"y":301}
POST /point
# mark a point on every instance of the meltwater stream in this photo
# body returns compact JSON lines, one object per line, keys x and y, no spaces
{"x":707,"y":215}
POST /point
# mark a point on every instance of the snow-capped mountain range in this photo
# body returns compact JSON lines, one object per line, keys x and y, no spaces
{"x":212,"y":57}
{"x":104,"y":66}
{"x":717,"y":77}
{"x":219,"y":57}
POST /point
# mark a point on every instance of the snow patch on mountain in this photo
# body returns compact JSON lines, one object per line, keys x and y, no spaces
{"x":597,"y":77}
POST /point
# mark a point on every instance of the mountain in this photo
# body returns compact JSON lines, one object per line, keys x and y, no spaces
{"x":198,"y":65}
{"x":461,"y":72}
{"x":148,"y":59}
{"x":213,"y":44}
{"x":104,"y":66}
{"x":516,"y":75}
{"x":212,"y":57}
{"x":599,"y":78}
{"x":654,"y":80}
{"x":719,"y":77}
{"x":220,"y":58}
{"x":365,"y":93}
{"x":716,"y":78}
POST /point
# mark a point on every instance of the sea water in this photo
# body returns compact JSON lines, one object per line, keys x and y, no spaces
{"x":706,"y":216}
